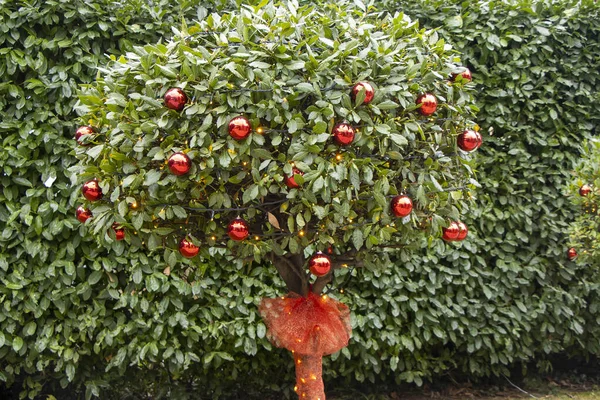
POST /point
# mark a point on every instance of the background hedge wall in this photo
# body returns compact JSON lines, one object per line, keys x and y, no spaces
{"x":505,"y":296}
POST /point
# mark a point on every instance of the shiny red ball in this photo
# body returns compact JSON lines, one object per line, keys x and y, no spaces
{"x":81,"y":132}
{"x":179,"y":164}
{"x":83,"y":214}
{"x":572,"y":254}
{"x":466,"y":75}
{"x":451,"y":232}
{"x":468,"y":140}
{"x":369,"y":91}
{"x":319,"y":264}
{"x":175,"y":99}
{"x":188,"y":249}
{"x":239,"y":128}
{"x":290,"y":181}
{"x":343,"y":134}
{"x":91,"y":190}
{"x":463,"y":231}
{"x":401,"y":206}
{"x":119,"y":232}
{"x":584,"y":190}
{"x":238,"y":229}
{"x":479,"y":139}
{"x":428,"y":104}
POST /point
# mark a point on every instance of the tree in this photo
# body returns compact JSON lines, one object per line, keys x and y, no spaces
{"x":282,"y":131}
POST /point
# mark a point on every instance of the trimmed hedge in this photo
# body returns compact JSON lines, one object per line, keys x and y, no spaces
{"x":506,"y":295}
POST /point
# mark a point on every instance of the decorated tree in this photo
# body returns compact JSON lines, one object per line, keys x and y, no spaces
{"x":317,"y":139}
{"x":584,"y":231}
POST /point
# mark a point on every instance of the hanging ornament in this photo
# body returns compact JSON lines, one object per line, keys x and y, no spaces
{"x":469,"y":140}
{"x":187,"y":248}
{"x":428,"y":104}
{"x":466,"y":75}
{"x":451,"y":232}
{"x":119,"y":231}
{"x":179,"y":164}
{"x":463,"y":231}
{"x":572,"y":254}
{"x":81,"y":133}
{"x":401,"y":206}
{"x":584,"y":190}
{"x":83,"y":214}
{"x":239,"y":128}
{"x":319,"y":264}
{"x":91,"y":190}
{"x":175,"y":99}
{"x":343,"y":133}
{"x":330,"y":250}
{"x":238,"y":229}
{"x":369,"y":91}
{"x":290,"y":180}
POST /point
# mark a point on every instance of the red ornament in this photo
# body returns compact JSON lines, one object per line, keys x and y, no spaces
{"x":401,"y":206}
{"x":290,"y":181}
{"x":175,"y":99}
{"x":91,"y":190}
{"x":239,"y":128}
{"x":468,"y":140}
{"x":343,"y":134}
{"x":572,"y":254}
{"x":584,"y":190}
{"x":369,"y":91}
{"x":428,"y":104}
{"x":179,"y":164}
{"x":83,"y":214}
{"x":463,"y":231}
{"x":81,"y":132}
{"x":119,"y":231}
{"x":330,"y":250}
{"x":238,"y":229}
{"x":451,"y":232}
{"x":319,"y":264}
{"x":466,"y":75}
{"x":187,"y":248}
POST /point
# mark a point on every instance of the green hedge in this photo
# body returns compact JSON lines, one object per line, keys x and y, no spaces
{"x":506,"y":295}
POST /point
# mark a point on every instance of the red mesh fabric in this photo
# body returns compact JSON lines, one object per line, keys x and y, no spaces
{"x":310,"y":327}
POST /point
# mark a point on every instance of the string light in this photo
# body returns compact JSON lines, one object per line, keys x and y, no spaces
{"x":260,"y":130}
{"x":301,"y":233}
{"x":339,"y":157}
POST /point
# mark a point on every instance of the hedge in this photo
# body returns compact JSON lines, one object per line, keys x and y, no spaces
{"x":506,"y":296}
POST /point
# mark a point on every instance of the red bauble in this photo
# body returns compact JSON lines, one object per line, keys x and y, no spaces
{"x":290,"y":182}
{"x":238,"y":229}
{"x":584,"y":190}
{"x":466,"y":75}
{"x":179,"y":164}
{"x":187,"y":248}
{"x":571,"y":254}
{"x":239,"y":128}
{"x":463,"y":231}
{"x":175,"y":99}
{"x":369,"y":91}
{"x":319,"y":264}
{"x":83,"y":214}
{"x":119,"y":232}
{"x":451,"y":233}
{"x":81,"y":132}
{"x":429,"y":104}
{"x":468,"y":140}
{"x":91,"y":190}
{"x":401,"y":206}
{"x":343,"y":134}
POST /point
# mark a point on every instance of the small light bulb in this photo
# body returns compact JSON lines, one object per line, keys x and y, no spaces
{"x":256,"y":238}
{"x":213,"y":238}
{"x":339,"y":157}
{"x":341,"y":290}
{"x":260,"y":130}
{"x":245,"y":163}
{"x":301,"y":233}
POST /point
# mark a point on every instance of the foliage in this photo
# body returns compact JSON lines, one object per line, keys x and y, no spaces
{"x":516,"y":296}
{"x":505,"y":295}
{"x":293,"y":81}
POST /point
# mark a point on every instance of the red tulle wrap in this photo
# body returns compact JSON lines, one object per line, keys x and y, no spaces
{"x":310,"y":327}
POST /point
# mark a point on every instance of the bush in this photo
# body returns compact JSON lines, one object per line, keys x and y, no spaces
{"x":506,"y":296}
